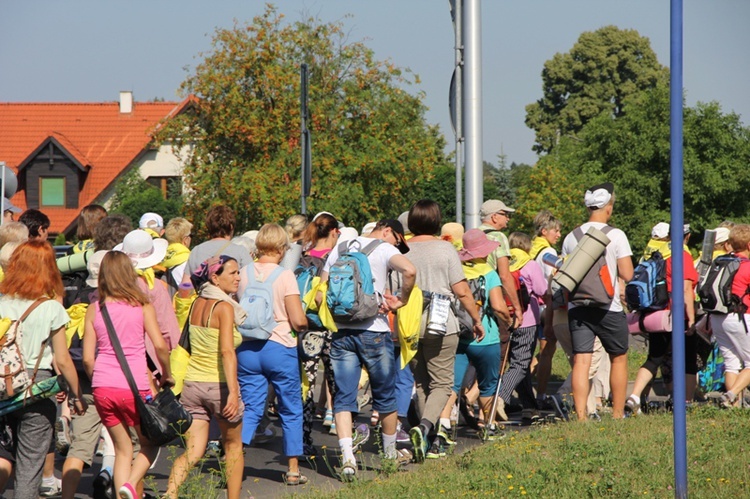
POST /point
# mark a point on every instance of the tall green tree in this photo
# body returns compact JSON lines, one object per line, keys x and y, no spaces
{"x":371,"y":145}
{"x":634,"y":152}
{"x":602,"y":69}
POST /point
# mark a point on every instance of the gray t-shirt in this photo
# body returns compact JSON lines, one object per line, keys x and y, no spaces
{"x":438,"y":268}
{"x":216,"y":247}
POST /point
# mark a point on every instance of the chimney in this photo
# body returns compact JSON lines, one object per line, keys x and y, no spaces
{"x":126,"y":102}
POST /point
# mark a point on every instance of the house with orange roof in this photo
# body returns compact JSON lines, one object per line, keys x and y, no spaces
{"x":69,"y":155}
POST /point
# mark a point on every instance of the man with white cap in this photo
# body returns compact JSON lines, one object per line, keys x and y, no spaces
{"x":152,"y":223}
{"x":605,"y":322}
{"x":495,"y":216}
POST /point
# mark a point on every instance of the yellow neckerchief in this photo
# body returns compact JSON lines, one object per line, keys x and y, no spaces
{"x":518,"y":258}
{"x":716,"y":253}
{"x":148,"y":276}
{"x":2,"y":274}
{"x":654,"y":245}
{"x":152,"y":233}
{"x":77,"y":315}
{"x":177,"y":254}
{"x":537,"y":245}
{"x":476,"y":268}
{"x":83,"y":246}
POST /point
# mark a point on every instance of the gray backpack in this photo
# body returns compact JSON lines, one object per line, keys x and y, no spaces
{"x":595,"y":290}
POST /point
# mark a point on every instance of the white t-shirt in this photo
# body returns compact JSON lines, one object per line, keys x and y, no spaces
{"x":379,"y":266}
{"x":619,"y":247}
{"x":547,"y":269}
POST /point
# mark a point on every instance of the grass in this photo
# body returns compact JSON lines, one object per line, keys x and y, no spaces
{"x":561,"y":367}
{"x":626,"y":458}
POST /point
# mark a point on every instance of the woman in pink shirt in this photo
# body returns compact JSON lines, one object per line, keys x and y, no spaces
{"x":132,"y":316}
{"x":274,"y":360}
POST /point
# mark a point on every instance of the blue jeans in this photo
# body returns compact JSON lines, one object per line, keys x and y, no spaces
{"x":261,"y":362}
{"x":352,"y":349}
{"x":404,"y":383}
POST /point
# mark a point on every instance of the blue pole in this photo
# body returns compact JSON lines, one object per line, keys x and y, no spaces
{"x":678,"y":295}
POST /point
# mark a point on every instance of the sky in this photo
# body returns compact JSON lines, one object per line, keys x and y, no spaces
{"x":88,"y":51}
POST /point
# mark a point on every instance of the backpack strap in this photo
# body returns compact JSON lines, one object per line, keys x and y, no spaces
{"x":23,"y":317}
{"x":371,"y":247}
{"x":271,"y":278}
{"x":578,"y":231}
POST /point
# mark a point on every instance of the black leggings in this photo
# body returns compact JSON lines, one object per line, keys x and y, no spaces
{"x":660,"y":353}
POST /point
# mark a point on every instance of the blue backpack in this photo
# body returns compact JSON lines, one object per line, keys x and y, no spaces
{"x":351,"y":295}
{"x":257,"y":301}
{"x":648,"y":288}
{"x":308,"y":268}
{"x":711,"y":377}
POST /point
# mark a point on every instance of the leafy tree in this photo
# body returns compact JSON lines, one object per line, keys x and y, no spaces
{"x":134,"y":197}
{"x":371,"y":147}
{"x":602,"y":69}
{"x":633,"y":151}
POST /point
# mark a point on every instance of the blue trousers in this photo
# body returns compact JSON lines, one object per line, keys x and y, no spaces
{"x":263,"y":362}
{"x":404,"y":383}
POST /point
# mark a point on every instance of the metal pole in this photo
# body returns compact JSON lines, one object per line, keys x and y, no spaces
{"x":2,"y":202}
{"x":678,"y":296}
{"x":458,"y":6}
{"x":472,"y":106}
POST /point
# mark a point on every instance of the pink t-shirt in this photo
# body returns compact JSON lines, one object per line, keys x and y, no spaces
{"x":285,"y":285}
{"x":536,"y":283}
{"x":128,"y":323}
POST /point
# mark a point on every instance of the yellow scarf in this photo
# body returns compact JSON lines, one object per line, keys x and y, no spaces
{"x":177,"y":254}
{"x":152,"y":233}
{"x":77,"y":315}
{"x":476,"y":268}
{"x":518,"y":258}
{"x":662,"y":247}
{"x":538,"y":244}
{"x":148,"y":276}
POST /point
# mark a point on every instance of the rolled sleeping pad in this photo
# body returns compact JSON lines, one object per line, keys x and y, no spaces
{"x":582,"y":259}
{"x":74,"y":263}
{"x":659,"y":321}
{"x":292,"y":257}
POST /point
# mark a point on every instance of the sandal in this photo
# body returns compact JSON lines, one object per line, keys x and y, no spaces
{"x":348,"y":471}
{"x":294,"y":478}
{"x":374,"y":418}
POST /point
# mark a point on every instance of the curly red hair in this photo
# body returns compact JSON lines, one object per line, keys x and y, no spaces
{"x":32,"y":272}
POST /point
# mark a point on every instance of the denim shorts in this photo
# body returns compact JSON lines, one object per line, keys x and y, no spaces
{"x":350,"y":351}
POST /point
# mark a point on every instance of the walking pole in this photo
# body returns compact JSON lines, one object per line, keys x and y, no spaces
{"x":491,"y":417}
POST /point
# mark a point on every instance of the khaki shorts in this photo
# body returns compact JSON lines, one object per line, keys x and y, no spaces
{"x":206,"y":399}
{"x":84,"y":432}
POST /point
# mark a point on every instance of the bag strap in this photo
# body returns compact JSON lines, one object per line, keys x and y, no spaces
{"x":118,"y":351}
{"x":23,"y":317}
{"x":371,"y":247}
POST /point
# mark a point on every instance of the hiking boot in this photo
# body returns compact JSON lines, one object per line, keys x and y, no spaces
{"x":360,"y":437}
{"x":62,"y":435}
{"x":530,"y":415}
{"x":727,"y":400}
{"x":402,"y":437}
{"x":401,"y":456}
{"x":437,"y":449}
{"x":560,"y":408}
{"x":632,"y":406}
{"x":419,"y":442}
{"x":595,"y":417}
{"x":492,"y":433}
{"x":444,"y":433}
{"x":264,"y":436}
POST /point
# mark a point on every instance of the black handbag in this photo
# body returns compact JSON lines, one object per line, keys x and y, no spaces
{"x":162,"y":419}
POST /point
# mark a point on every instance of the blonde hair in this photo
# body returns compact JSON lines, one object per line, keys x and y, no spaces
{"x":177,"y":229}
{"x":271,"y":239}
{"x":520,"y":240}
{"x":739,"y":237}
{"x":7,"y":251}
{"x":13,"y":232}
{"x":295,"y":226}
{"x":544,"y":220}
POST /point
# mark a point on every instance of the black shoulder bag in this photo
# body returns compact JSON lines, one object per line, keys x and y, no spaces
{"x":164,"y":418}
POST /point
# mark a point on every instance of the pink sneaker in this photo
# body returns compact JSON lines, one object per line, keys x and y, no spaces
{"x":127,"y":491}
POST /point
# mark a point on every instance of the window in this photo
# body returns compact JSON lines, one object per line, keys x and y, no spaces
{"x":170,"y":187}
{"x":52,"y":192}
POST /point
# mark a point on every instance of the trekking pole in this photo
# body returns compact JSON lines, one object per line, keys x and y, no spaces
{"x":491,"y":417}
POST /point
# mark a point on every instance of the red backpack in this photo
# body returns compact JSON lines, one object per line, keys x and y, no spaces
{"x":524,"y":297}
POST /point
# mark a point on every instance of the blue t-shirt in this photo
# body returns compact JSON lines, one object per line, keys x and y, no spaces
{"x":491,"y":331}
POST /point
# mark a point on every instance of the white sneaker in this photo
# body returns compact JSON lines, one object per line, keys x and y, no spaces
{"x":55,"y":489}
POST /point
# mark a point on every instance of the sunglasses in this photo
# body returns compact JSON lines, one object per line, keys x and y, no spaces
{"x":506,"y":215}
